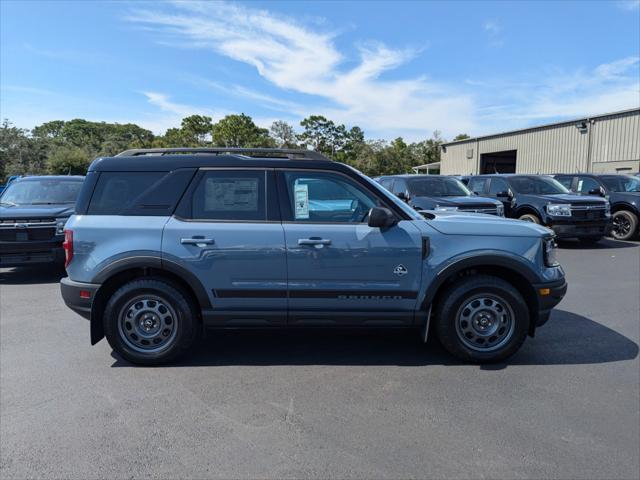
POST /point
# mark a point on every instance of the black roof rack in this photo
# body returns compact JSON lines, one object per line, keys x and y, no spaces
{"x":290,"y":153}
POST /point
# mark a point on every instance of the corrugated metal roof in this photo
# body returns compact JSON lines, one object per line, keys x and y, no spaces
{"x":546,"y":125}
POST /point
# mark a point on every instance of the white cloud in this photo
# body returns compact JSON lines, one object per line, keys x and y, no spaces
{"x":302,"y":59}
{"x":629,"y":5}
{"x":299,"y":59}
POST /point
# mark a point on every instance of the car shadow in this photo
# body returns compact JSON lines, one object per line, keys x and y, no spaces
{"x":567,"y":339}
{"x":31,"y":275}
{"x":604,"y":244}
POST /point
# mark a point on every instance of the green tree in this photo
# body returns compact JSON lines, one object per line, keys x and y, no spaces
{"x":68,"y":160}
{"x":460,"y":136}
{"x":283,"y":134}
{"x":240,"y":131}
{"x":19,"y":152}
{"x":318,"y":133}
{"x":196,"y":130}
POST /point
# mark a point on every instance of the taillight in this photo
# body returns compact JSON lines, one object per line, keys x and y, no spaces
{"x":67,"y":245}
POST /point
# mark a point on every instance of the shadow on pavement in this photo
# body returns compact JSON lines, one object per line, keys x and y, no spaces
{"x":31,"y":275}
{"x":604,"y":244}
{"x":567,"y":339}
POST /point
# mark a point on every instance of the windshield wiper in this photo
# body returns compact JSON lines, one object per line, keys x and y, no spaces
{"x":48,"y":203}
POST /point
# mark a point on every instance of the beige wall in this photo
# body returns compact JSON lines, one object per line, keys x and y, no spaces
{"x":558,"y":148}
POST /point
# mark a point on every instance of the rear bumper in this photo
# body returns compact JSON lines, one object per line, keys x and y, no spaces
{"x":547,"y":301}
{"x":581,"y":229}
{"x":78,"y":296}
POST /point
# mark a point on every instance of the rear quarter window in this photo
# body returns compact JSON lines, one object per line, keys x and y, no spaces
{"x":117,"y":192}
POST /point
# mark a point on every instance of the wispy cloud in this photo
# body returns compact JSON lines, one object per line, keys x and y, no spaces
{"x":298,"y":58}
{"x":629,"y":5}
{"x":305,"y":59}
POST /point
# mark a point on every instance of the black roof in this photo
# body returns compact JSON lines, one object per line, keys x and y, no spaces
{"x":168,"y":159}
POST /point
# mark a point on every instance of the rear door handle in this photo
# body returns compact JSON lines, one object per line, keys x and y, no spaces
{"x":198,"y":241}
{"x":314,"y":241}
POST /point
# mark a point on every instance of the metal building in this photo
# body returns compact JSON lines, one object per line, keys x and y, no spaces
{"x":604,"y":143}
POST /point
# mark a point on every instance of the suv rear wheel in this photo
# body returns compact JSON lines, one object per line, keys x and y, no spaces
{"x":150,"y":321}
{"x":624,"y":225}
{"x":482,"y":319}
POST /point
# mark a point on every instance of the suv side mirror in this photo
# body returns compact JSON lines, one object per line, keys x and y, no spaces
{"x":504,"y":194}
{"x":403,"y":196}
{"x":380,"y":217}
{"x":597,"y":191}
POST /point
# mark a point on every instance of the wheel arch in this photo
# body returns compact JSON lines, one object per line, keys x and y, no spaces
{"x":516,"y":272}
{"x":530,"y":210}
{"x":125,"y":270}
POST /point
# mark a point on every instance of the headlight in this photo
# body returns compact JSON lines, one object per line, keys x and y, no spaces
{"x":444,"y":208}
{"x":500,"y":210}
{"x":559,"y":210}
{"x":60,"y":222}
{"x":550,"y":252}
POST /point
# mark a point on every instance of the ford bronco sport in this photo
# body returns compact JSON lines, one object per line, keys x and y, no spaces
{"x":623,"y":193}
{"x":33,"y":211}
{"x":167,"y":242}
{"x":543,"y":200}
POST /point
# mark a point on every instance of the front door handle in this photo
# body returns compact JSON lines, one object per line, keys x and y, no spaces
{"x":197,"y":240}
{"x":314,"y":241}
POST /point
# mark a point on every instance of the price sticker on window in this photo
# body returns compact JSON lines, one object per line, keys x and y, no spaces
{"x":301,"y":197}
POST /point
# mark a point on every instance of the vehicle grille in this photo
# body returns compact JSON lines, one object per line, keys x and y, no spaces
{"x":588,"y":212}
{"x":24,"y":230}
{"x":488,"y":210}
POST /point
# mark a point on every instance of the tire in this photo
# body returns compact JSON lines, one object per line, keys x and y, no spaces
{"x":499,"y":302}
{"x":624,"y":225}
{"x":150,"y":321}
{"x":589,"y":240}
{"x":530,"y":217}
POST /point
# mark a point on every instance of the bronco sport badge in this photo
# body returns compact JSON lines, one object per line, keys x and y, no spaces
{"x":400,"y":270}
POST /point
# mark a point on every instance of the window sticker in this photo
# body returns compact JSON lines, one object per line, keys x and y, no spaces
{"x":301,"y":195}
{"x":580,"y":185}
{"x":231,"y":194}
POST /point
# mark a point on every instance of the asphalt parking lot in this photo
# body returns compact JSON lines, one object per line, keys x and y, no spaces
{"x":328,"y":404}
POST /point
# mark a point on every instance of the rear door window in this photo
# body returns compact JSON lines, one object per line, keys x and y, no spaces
{"x":115,"y":192}
{"x":231,"y":195}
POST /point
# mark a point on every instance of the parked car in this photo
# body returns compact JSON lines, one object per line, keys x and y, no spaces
{"x":440,"y":193}
{"x":543,"y":200}
{"x":216,"y":238}
{"x":623,"y":193}
{"x":33,"y":212}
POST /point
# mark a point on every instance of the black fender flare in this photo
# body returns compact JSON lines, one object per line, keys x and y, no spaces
{"x":144,"y":260}
{"x":513,"y":263}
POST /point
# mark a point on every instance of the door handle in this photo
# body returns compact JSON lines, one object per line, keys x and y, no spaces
{"x":314,"y":241}
{"x":197,"y":240}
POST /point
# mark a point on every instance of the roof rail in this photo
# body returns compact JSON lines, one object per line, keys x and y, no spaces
{"x":290,"y":153}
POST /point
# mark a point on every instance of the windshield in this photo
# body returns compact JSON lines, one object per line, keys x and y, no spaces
{"x":437,"y":187}
{"x":537,"y":185}
{"x":41,"y":192}
{"x":622,"y":183}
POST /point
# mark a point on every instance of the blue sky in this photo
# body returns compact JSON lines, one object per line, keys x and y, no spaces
{"x":393,"y":68}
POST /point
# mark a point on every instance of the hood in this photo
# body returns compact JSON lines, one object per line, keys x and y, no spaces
{"x":453,"y":223}
{"x":36,"y":211}
{"x":464,"y":200}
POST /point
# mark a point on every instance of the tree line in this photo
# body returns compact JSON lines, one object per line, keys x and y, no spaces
{"x":68,"y":147}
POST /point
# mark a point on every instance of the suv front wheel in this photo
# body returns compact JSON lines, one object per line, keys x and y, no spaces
{"x":624,"y":225}
{"x":150,"y":321}
{"x":482,"y":319}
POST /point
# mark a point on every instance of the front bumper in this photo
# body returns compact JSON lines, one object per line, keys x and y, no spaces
{"x":568,"y":229}
{"x":549,"y":295}
{"x":15,"y":254}
{"x":78,"y":296}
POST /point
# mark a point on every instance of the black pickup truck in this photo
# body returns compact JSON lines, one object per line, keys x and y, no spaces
{"x":33,"y":211}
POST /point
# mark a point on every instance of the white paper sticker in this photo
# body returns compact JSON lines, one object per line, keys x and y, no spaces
{"x":301,"y":194}
{"x":580,"y":185}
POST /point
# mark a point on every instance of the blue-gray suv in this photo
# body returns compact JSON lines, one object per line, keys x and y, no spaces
{"x":167,"y":242}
